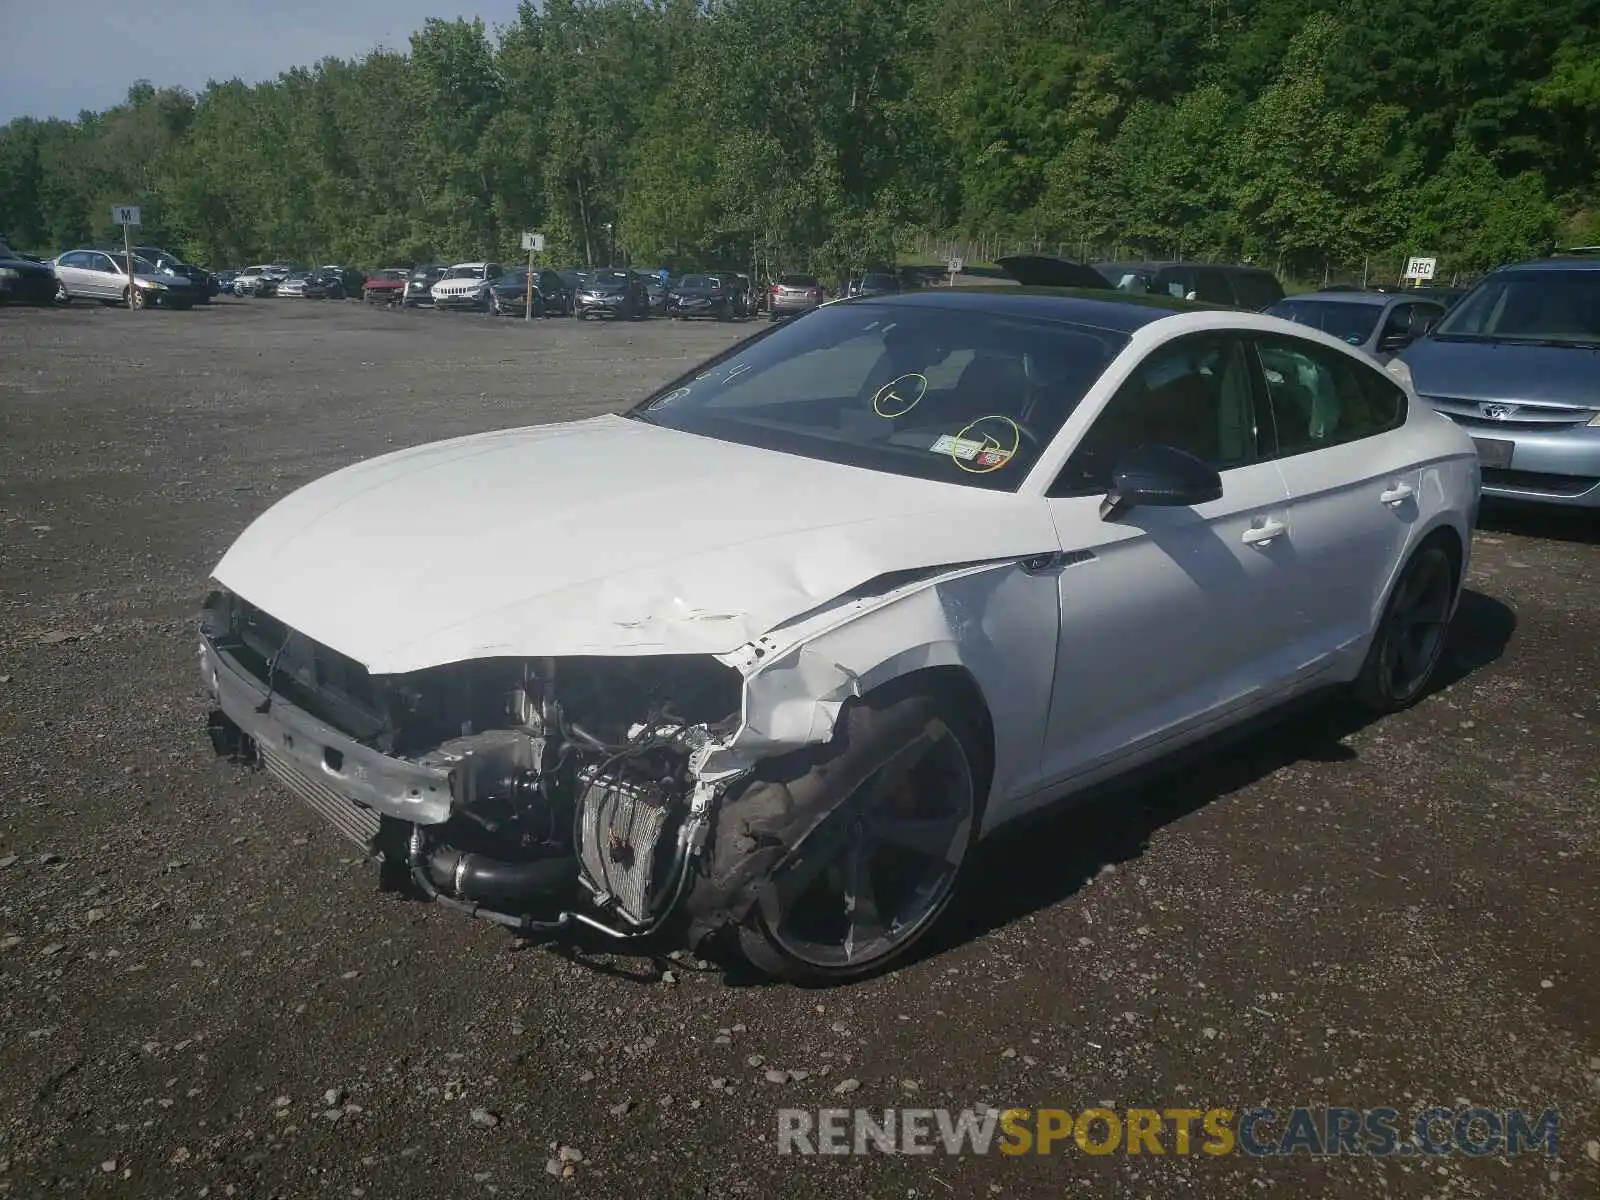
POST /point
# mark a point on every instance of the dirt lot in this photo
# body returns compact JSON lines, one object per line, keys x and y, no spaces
{"x":1394,"y":914}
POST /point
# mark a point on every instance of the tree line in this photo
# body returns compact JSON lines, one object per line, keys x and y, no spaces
{"x":833,"y":133}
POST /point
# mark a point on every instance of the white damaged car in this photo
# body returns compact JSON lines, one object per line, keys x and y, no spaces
{"x":765,"y":655}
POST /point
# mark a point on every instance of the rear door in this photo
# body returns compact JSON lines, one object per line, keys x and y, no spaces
{"x":1352,"y":485}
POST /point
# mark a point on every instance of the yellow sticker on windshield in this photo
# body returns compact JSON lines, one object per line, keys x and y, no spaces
{"x":992,"y":454}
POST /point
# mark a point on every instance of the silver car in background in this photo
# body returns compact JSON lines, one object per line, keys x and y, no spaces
{"x":792,"y":295}
{"x":1379,"y":324}
{"x":101,"y":275}
{"x":1517,"y":365}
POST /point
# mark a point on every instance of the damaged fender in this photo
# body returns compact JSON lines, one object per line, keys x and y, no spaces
{"x":806,"y":741}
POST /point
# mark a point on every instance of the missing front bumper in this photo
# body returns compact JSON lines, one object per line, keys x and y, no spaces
{"x":314,"y":759}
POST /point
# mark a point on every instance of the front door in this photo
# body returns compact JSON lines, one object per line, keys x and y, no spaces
{"x":1172,"y":619}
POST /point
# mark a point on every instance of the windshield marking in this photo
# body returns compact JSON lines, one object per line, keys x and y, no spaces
{"x":889,"y":392}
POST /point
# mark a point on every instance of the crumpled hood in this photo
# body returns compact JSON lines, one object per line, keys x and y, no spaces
{"x":1504,"y":371}
{"x":604,"y":536}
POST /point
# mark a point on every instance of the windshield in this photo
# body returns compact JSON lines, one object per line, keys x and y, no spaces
{"x":696,"y":283}
{"x":1562,"y":307}
{"x":797,"y":281}
{"x":519,"y":276}
{"x":958,"y":396}
{"x":463,"y":273}
{"x":608,"y":279}
{"x":878,"y":281}
{"x":1352,"y":323}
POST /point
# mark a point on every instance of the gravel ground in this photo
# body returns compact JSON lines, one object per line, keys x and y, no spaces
{"x":205,"y":994}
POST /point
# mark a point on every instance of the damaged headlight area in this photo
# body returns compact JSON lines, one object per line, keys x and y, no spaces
{"x":510,"y":787}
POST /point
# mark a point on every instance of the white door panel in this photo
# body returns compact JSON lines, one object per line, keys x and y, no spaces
{"x":1354,"y":489}
{"x":1169,"y":614}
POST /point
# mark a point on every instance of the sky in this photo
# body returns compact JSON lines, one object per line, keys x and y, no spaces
{"x":58,"y":57}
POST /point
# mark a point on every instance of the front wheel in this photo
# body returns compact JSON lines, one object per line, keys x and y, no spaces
{"x":869,"y":879}
{"x":1410,"y":638}
{"x":62,"y":296}
{"x":133,"y":296}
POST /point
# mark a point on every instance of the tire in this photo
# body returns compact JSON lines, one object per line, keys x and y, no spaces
{"x":135,"y":296}
{"x":1412,"y":632}
{"x":914,"y":762}
{"x":62,"y":296}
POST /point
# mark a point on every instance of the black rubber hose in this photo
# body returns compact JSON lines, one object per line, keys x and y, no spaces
{"x":497,"y":880}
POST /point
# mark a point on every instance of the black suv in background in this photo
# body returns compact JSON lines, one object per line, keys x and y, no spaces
{"x":703,"y":296}
{"x":204,"y":283}
{"x":419,"y":287}
{"x":1236,"y":285}
{"x":508,"y":295}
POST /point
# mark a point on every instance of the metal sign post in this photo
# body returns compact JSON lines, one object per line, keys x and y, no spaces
{"x":955,"y":265}
{"x":127,"y":215}
{"x":533,"y":243}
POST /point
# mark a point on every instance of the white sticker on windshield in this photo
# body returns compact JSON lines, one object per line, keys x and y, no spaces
{"x":957,"y":447}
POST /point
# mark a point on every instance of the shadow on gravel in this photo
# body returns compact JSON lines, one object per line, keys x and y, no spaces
{"x":1043,"y":861}
{"x":1547,"y":522}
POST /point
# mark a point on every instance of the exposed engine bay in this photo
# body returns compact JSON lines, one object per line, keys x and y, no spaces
{"x":572,"y":779}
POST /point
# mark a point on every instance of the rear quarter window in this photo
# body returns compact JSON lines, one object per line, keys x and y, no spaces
{"x":1256,"y":289}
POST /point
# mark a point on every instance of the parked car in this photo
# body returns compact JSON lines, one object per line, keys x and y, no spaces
{"x":204,"y":286}
{"x":1377,"y":324}
{"x":1233,"y":284}
{"x":351,"y":281}
{"x":24,"y":280}
{"x":657,"y":291}
{"x":1448,"y":297}
{"x":792,"y":295}
{"x":222,"y":281}
{"x":853,"y":595}
{"x":702,"y":296}
{"x":1517,"y":365}
{"x":611,"y":292}
{"x":419,"y":285}
{"x":873,"y":283}
{"x":321,"y":284}
{"x":466,"y":285}
{"x":508,"y":295}
{"x":386,"y":286}
{"x":100,"y":275}
{"x":263,"y":280}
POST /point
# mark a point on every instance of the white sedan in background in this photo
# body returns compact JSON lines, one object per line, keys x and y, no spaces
{"x":767,"y":653}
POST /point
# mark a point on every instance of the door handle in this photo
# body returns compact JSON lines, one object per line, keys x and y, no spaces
{"x":1397,"y":495}
{"x":1263,"y":533}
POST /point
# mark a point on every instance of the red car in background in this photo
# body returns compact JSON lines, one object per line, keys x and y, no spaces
{"x":386,"y":286}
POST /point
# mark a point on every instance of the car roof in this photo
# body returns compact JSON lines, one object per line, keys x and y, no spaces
{"x":1552,"y":264}
{"x":1159,"y":265}
{"x":1103,"y":309}
{"x":1369,"y":299}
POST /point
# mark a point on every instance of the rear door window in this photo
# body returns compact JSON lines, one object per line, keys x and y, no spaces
{"x":1320,"y":397}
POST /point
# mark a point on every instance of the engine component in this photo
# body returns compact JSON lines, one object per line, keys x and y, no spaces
{"x":477,"y":877}
{"x":620,"y":841}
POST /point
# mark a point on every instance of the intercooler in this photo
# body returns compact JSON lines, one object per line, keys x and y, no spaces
{"x":621,"y":827}
{"x":358,"y":824}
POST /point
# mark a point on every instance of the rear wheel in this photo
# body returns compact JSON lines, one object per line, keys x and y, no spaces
{"x":872,"y":876}
{"x":1410,"y":638}
{"x":62,"y":296}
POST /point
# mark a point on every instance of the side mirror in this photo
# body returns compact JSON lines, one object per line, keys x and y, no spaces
{"x":1158,"y":476}
{"x":1391,"y":342}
